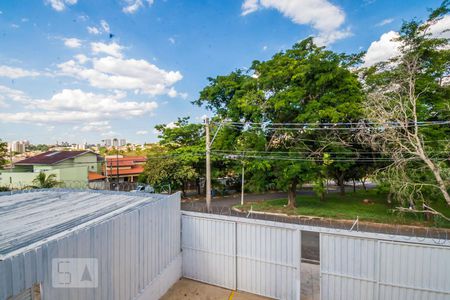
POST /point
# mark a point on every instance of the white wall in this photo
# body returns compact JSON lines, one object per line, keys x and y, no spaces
{"x":138,"y":253}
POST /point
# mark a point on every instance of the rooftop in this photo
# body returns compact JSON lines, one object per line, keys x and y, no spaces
{"x":29,"y":218}
{"x":51,"y":157}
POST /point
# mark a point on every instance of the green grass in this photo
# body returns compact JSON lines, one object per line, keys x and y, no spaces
{"x":350,"y":206}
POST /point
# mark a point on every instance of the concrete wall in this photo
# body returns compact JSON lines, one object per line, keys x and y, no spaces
{"x":88,"y":160}
{"x":75,"y":177}
{"x":20,"y":180}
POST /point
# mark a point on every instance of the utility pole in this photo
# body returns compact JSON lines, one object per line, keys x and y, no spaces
{"x":117,"y":162}
{"x":242,"y":187}
{"x":106,"y":168}
{"x":208,"y":166}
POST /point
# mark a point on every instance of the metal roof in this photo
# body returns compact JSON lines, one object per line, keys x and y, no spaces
{"x":31,"y":218}
{"x":51,"y":157}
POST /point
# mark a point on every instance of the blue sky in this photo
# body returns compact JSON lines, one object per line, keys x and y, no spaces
{"x":79,"y":70}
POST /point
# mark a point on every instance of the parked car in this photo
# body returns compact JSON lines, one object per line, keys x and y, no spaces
{"x":144,"y":188}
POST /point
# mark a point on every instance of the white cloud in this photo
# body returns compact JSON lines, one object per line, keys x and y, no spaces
{"x":112,"y":49}
{"x":383,"y":49}
{"x":60,"y":5}
{"x":322,"y":15}
{"x":264,"y":48}
{"x":141,"y":132}
{"x":79,"y":106}
{"x":81,"y":58}
{"x":327,"y":38}
{"x":98,"y":126}
{"x":105,"y":25}
{"x":384,"y":22}
{"x":78,"y":100}
{"x":172,"y":40}
{"x":441,"y":29}
{"x":72,"y":42}
{"x":124,"y":74}
{"x":12,"y":72}
{"x":93,"y":30}
{"x":132,"y":6}
{"x":7,"y":93}
{"x":386,"y":47}
{"x":249,"y":6}
{"x":172,"y":125}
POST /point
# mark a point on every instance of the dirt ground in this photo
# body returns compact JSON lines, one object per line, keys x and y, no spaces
{"x":186,"y":289}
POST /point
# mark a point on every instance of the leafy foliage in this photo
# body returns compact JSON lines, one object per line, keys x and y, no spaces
{"x":3,"y":153}
{"x":44,"y":181}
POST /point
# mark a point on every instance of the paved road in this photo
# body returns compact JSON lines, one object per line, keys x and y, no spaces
{"x":222,"y":202}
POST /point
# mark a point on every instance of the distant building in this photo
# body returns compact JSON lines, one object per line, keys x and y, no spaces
{"x":71,"y":168}
{"x":18,"y":146}
{"x":122,"y":142}
{"x":128,"y":168}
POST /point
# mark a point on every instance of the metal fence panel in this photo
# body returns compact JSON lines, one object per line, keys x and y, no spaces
{"x":347,"y":266}
{"x":357,"y":268}
{"x":209,"y":251}
{"x":268,"y":261}
{"x":409,"y":271}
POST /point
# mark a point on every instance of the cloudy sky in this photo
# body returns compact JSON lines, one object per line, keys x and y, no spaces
{"x":79,"y":70}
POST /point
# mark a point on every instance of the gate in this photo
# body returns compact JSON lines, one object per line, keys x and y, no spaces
{"x":366,"y":268}
{"x":209,"y":250}
{"x":256,"y":258}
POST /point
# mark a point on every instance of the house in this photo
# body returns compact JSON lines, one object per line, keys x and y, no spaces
{"x":128,"y":168}
{"x":71,"y":168}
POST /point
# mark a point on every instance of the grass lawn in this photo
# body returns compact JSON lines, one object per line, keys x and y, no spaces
{"x":349,"y":207}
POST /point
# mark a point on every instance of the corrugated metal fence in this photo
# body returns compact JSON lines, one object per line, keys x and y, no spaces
{"x":263,"y":257}
{"x":134,"y":249}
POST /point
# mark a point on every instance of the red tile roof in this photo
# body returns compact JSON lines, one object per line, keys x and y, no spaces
{"x":125,"y":161}
{"x":135,"y":170}
{"x":51,"y":157}
{"x":95,"y":176}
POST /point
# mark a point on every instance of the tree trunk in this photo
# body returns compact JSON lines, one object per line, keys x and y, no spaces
{"x":354,"y":185}
{"x":341,"y":184}
{"x":437,"y":176}
{"x":197,"y":183}
{"x":183,"y":190}
{"x":363,"y":181}
{"x":292,"y":193}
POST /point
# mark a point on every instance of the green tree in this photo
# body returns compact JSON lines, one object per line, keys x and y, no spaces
{"x":165,"y":168}
{"x":3,"y":153}
{"x":44,"y":181}
{"x":409,"y":91}
{"x":305,"y":84}
{"x":181,"y":148}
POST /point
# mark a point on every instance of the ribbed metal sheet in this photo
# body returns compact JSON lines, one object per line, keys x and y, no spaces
{"x":356,"y":268}
{"x":209,"y":251}
{"x":268,"y":261}
{"x":263,"y":260}
{"x":34,"y":216}
{"x":414,"y":271}
{"x":132,"y":248}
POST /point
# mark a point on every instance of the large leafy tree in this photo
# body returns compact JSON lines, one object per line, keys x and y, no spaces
{"x":179,"y":158}
{"x":3,"y":153}
{"x":305,"y":84}
{"x":410,"y":93}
